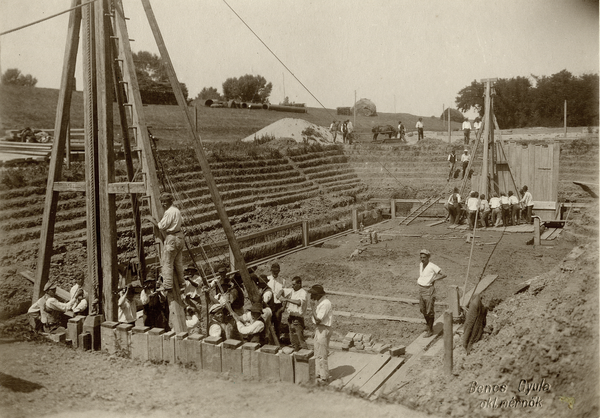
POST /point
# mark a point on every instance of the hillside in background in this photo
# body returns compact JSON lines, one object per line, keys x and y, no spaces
{"x":36,"y":108}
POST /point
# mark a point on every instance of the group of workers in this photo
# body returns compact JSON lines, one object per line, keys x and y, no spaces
{"x":503,"y":210}
{"x":345,"y":128}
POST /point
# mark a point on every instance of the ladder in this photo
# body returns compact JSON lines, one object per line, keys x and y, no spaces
{"x":420,"y":209}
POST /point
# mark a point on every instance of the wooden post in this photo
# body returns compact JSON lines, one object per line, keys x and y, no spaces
{"x":454,"y":302}
{"x":393,"y":208}
{"x":565,"y":118}
{"x":355,"y":219}
{"x":56,"y":159}
{"x":68,"y":146}
{"x":232,"y":265}
{"x":448,"y":342}
{"x":305,"y":236}
{"x":196,"y":117}
{"x":536,"y":230}
{"x":449,"y":128}
{"x":106,"y":166}
{"x":488,"y":134}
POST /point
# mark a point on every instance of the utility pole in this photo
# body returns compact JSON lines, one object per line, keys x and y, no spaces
{"x":488,"y":134}
{"x":565,"y":118}
{"x":354,"y":109}
{"x":449,"y":128}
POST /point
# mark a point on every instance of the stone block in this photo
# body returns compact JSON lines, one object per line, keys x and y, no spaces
{"x":359,"y":345}
{"x":271,"y":349}
{"x":397,"y":351}
{"x":303,"y":355}
{"x":108,"y":336}
{"x":123,"y":339}
{"x":304,"y":371}
{"x":169,"y":346}
{"x":180,"y":348}
{"x":59,"y":337}
{"x":357,"y":338}
{"x":231,"y":355}
{"x":155,"y":344}
{"x":84,"y":341}
{"x":377,"y":347}
{"x":286,"y":367}
{"x":139,"y":343}
{"x":346,"y":344}
{"x":194,"y":349}
{"x":250,"y":359}
{"x":350,"y":336}
{"x":367,"y":338}
{"x":385,"y":348}
{"x":213,"y":340}
{"x":211,"y":356}
{"x":233,"y":344}
{"x":74,"y":328}
{"x":91,"y":324}
{"x":268,"y":365}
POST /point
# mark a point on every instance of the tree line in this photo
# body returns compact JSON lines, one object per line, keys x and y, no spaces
{"x":521,"y":102}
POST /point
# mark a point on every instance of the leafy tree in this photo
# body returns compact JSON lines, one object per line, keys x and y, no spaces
{"x":153,"y":79}
{"x":471,"y":97}
{"x":209,"y":93}
{"x":13,"y":76}
{"x":247,"y":88}
{"x":455,"y":116}
{"x":512,"y":102}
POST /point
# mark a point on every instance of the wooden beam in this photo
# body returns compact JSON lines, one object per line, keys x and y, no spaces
{"x":253,"y":293}
{"x":127,"y":188}
{"x":481,"y":286}
{"x":61,"y":123}
{"x":379,"y":317}
{"x":69,"y":186}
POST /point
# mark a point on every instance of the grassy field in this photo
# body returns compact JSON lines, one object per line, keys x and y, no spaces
{"x":36,"y":108}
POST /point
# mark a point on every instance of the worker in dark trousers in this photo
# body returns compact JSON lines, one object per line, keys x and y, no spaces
{"x":429,"y":274}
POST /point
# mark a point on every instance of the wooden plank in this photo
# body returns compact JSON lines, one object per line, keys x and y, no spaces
{"x":548,"y":232}
{"x":378,"y":317}
{"x":362,"y":377}
{"x":127,"y":188}
{"x":388,"y":298}
{"x":437,"y":223}
{"x":421,"y":343}
{"x":61,"y":294}
{"x":381,"y":376}
{"x":481,"y":286}
{"x":343,"y":366}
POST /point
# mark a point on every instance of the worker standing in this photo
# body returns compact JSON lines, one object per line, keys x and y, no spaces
{"x":429,"y":274}
{"x":322,"y":317}
{"x":173,"y":244}
{"x":419,"y":127}
{"x":466,"y":126}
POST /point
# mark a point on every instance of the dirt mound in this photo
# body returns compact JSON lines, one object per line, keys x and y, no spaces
{"x":298,"y":130}
{"x":365,"y":107}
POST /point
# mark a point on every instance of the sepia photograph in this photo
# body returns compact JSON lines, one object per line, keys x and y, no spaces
{"x":233,"y":208}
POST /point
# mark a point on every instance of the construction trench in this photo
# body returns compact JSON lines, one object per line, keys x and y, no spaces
{"x":331,"y":222}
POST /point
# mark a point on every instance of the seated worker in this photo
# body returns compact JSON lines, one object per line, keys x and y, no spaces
{"x":295,"y":301}
{"x":127,"y":306}
{"x":496,"y":209}
{"x":505,"y":207}
{"x":484,"y":211}
{"x":79,"y":296}
{"x":192,"y":322}
{"x":155,"y":305}
{"x":55,"y":310}
{"x":515,"y":208}
{"x":190,"y":292}
{"x":251,"y":325}
{"x":219,"y":325}
{"x":38,"y":317}
{"x":472,"y":208}
{"x":226,"y":289}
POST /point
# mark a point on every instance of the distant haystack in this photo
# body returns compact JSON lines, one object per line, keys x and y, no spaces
{"x":365,"y":107}
{"x":299,"y":130}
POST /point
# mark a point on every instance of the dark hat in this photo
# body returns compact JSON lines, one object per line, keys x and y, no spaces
{"x":426,"y":252}
{"x":275,"y":264}
{"x":215,"y":308}
{"x":256,"y":307}
{"x":222,"y":269}
{"x":166,"y":196}
{"x":316,"y":289}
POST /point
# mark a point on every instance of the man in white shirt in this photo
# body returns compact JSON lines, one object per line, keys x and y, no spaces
{"x":464,"y":159}
{"x":322,"y":317}
{"x":173,"y":244}
{"x":295,"y":305}
{"x":466,"y":126}
{"x":515,"y":208}
{"x":527,"y":201}
{"x":484,"y":210}
{"x":472,"y":208}
{"x":127,"y":306}
{"x":79,"y":296}
{"x":401,"y":132}
{"x":451,"y":163}
{"x":496,"y":209}
{"x":276,"y":286}
{"x":419,"y":127}
{"x":505,"y":207}
{"x":477,"y":126}
{"x":333,"y":128}
{"x":251,"y":325}
{"x":429,"y":274}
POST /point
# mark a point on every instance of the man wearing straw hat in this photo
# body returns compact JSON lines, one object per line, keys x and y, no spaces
{"x":322,"y":317}
{"x":429,"y":274}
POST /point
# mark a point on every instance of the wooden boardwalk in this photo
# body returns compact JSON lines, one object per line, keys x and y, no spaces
{"x":523,"y":228}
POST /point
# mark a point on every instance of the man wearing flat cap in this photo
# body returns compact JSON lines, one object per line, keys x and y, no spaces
{"x":429,"y":274}
{"x":173,"y":244}
{"x":322,"y":317}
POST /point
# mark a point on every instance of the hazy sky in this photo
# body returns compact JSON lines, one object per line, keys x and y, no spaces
{"x":406,"y":56}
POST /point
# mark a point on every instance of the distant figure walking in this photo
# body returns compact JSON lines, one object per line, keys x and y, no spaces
{"x":333,"y":128}
{"x":466,"y":126}
{"x":464,"y":159}
{"x":419,"y":127}
{"x":401,"y":132}
{"x":344,"y":131}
